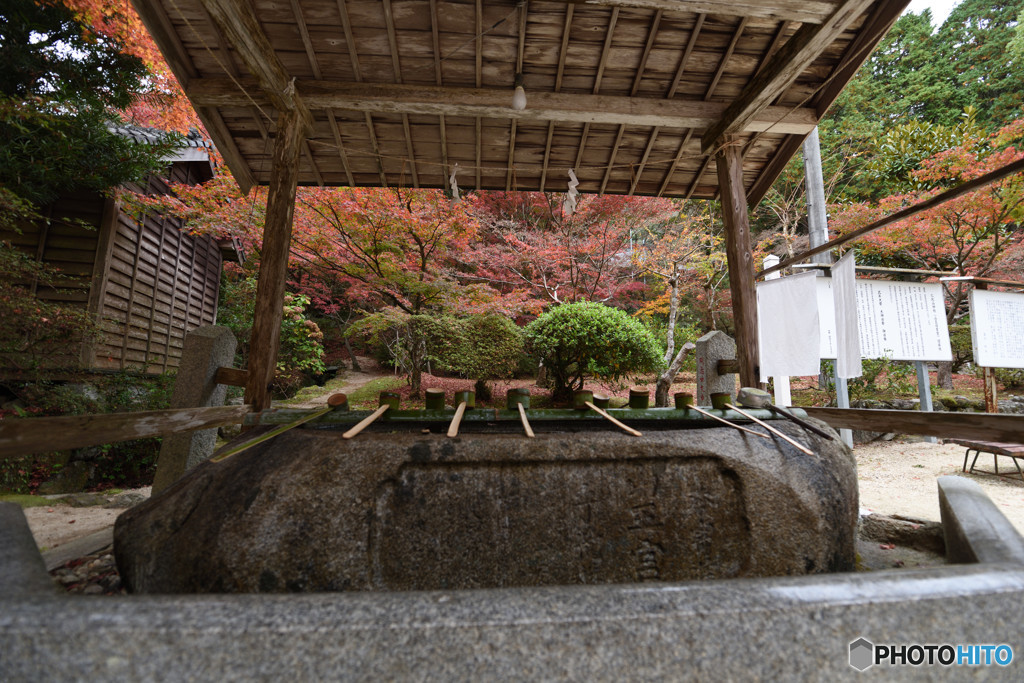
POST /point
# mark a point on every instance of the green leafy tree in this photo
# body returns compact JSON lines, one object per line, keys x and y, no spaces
{"x":590,"y":339}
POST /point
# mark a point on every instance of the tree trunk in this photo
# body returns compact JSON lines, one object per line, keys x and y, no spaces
{"x":352,"y":356}
{"x":482,"y":390}
{"x":944,"y":376}
{"x":669,"y":376}
{"x":673,"y":312}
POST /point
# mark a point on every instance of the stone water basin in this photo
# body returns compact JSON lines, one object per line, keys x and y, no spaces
{"x":310,"y":511}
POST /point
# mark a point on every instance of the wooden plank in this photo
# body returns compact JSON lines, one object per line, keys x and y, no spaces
{"x":101,"y":268}
{"x":266,"y":329}
{"x":782,"y":70}
{"x":985,"y":426}
{"x":21,"y":436}
{"x":740,"y":260}
{"x":233,"y":377}
{"x":952,"y":193}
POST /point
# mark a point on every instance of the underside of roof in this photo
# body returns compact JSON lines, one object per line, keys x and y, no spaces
{"x":635,"y":95}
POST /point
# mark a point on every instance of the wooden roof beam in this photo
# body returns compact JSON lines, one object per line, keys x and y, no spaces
{"x":496,"y":104}
{"x":789,"y":62}
{"x":811,"y":12}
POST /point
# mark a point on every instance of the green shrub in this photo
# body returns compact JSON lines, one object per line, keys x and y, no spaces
{"x":300,"y":352}
{"x":476,"y":347}
{"x":590,"y":339}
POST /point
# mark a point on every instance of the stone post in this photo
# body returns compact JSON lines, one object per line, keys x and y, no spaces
{"x":206,"y":349}
{"x":711,"y":348}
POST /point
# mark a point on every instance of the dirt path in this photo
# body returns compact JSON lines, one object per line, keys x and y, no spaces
{"x":349,"y":382}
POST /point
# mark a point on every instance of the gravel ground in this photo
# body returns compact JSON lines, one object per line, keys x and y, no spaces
{"x":898,"y":478}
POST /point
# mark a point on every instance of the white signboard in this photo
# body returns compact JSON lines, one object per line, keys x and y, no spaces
{"x":897,"y":320}
{"x":997,"y":328}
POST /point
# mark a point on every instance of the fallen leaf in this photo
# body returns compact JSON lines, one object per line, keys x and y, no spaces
{"x":71,"y":522}
{"x":887,"y":546}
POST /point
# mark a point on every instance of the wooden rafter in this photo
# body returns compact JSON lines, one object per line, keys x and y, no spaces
{"x":230,"y":65}
{"x":524,"y":9}
{"x":788,"y":144}
{"x":350,"y":41}
{"x":237,"y":19}
{"x":371,"y":131}
{"x":479,"y":59}
{"x":389,"y":20}
{"x":434,"y":31}
{"x":605,"y":50}
{"x":723,"y":63}
{"x":317,"y":74}
{"x":675,"y":161}
{"x":690,"y":44}
{"x":788,"y":63}
{"x":651,"y":35}
{"x":558,"y":87}
{"x":814,"y":12}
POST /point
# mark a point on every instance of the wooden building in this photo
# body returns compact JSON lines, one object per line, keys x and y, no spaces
{"x":678,"y":98}
{"x":143,"y":279}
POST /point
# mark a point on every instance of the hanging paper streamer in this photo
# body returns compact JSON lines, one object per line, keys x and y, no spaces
{"x":569,"y":205}
{"x":454,"y":185}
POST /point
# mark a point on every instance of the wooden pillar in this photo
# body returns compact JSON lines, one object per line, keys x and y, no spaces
{"x":741,"y":260}
{"x":277,"y":235}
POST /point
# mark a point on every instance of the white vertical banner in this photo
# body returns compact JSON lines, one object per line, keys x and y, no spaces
{"x":844,"y":294}
{"x":787,"y":329}
{"x":783,"y":391}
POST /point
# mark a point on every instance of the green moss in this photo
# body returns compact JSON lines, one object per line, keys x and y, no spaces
{"x":311,"y":392}
{"x":27,"y":501}
{"x":366,"y":396}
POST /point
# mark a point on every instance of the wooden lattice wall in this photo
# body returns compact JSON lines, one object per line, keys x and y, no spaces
{"x":146,"y":282}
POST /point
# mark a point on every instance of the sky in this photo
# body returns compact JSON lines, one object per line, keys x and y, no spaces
{"x":940,"y":9}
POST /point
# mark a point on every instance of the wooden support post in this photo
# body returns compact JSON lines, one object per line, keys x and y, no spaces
{"x":277,"y":235}
{"x":741,"y":259}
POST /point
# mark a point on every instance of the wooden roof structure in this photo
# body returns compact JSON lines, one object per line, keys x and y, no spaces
{"x":632,"y":94}
{"x":679,"y":98}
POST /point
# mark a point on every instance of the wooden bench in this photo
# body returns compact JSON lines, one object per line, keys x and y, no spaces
{"x":1011,"y":450}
